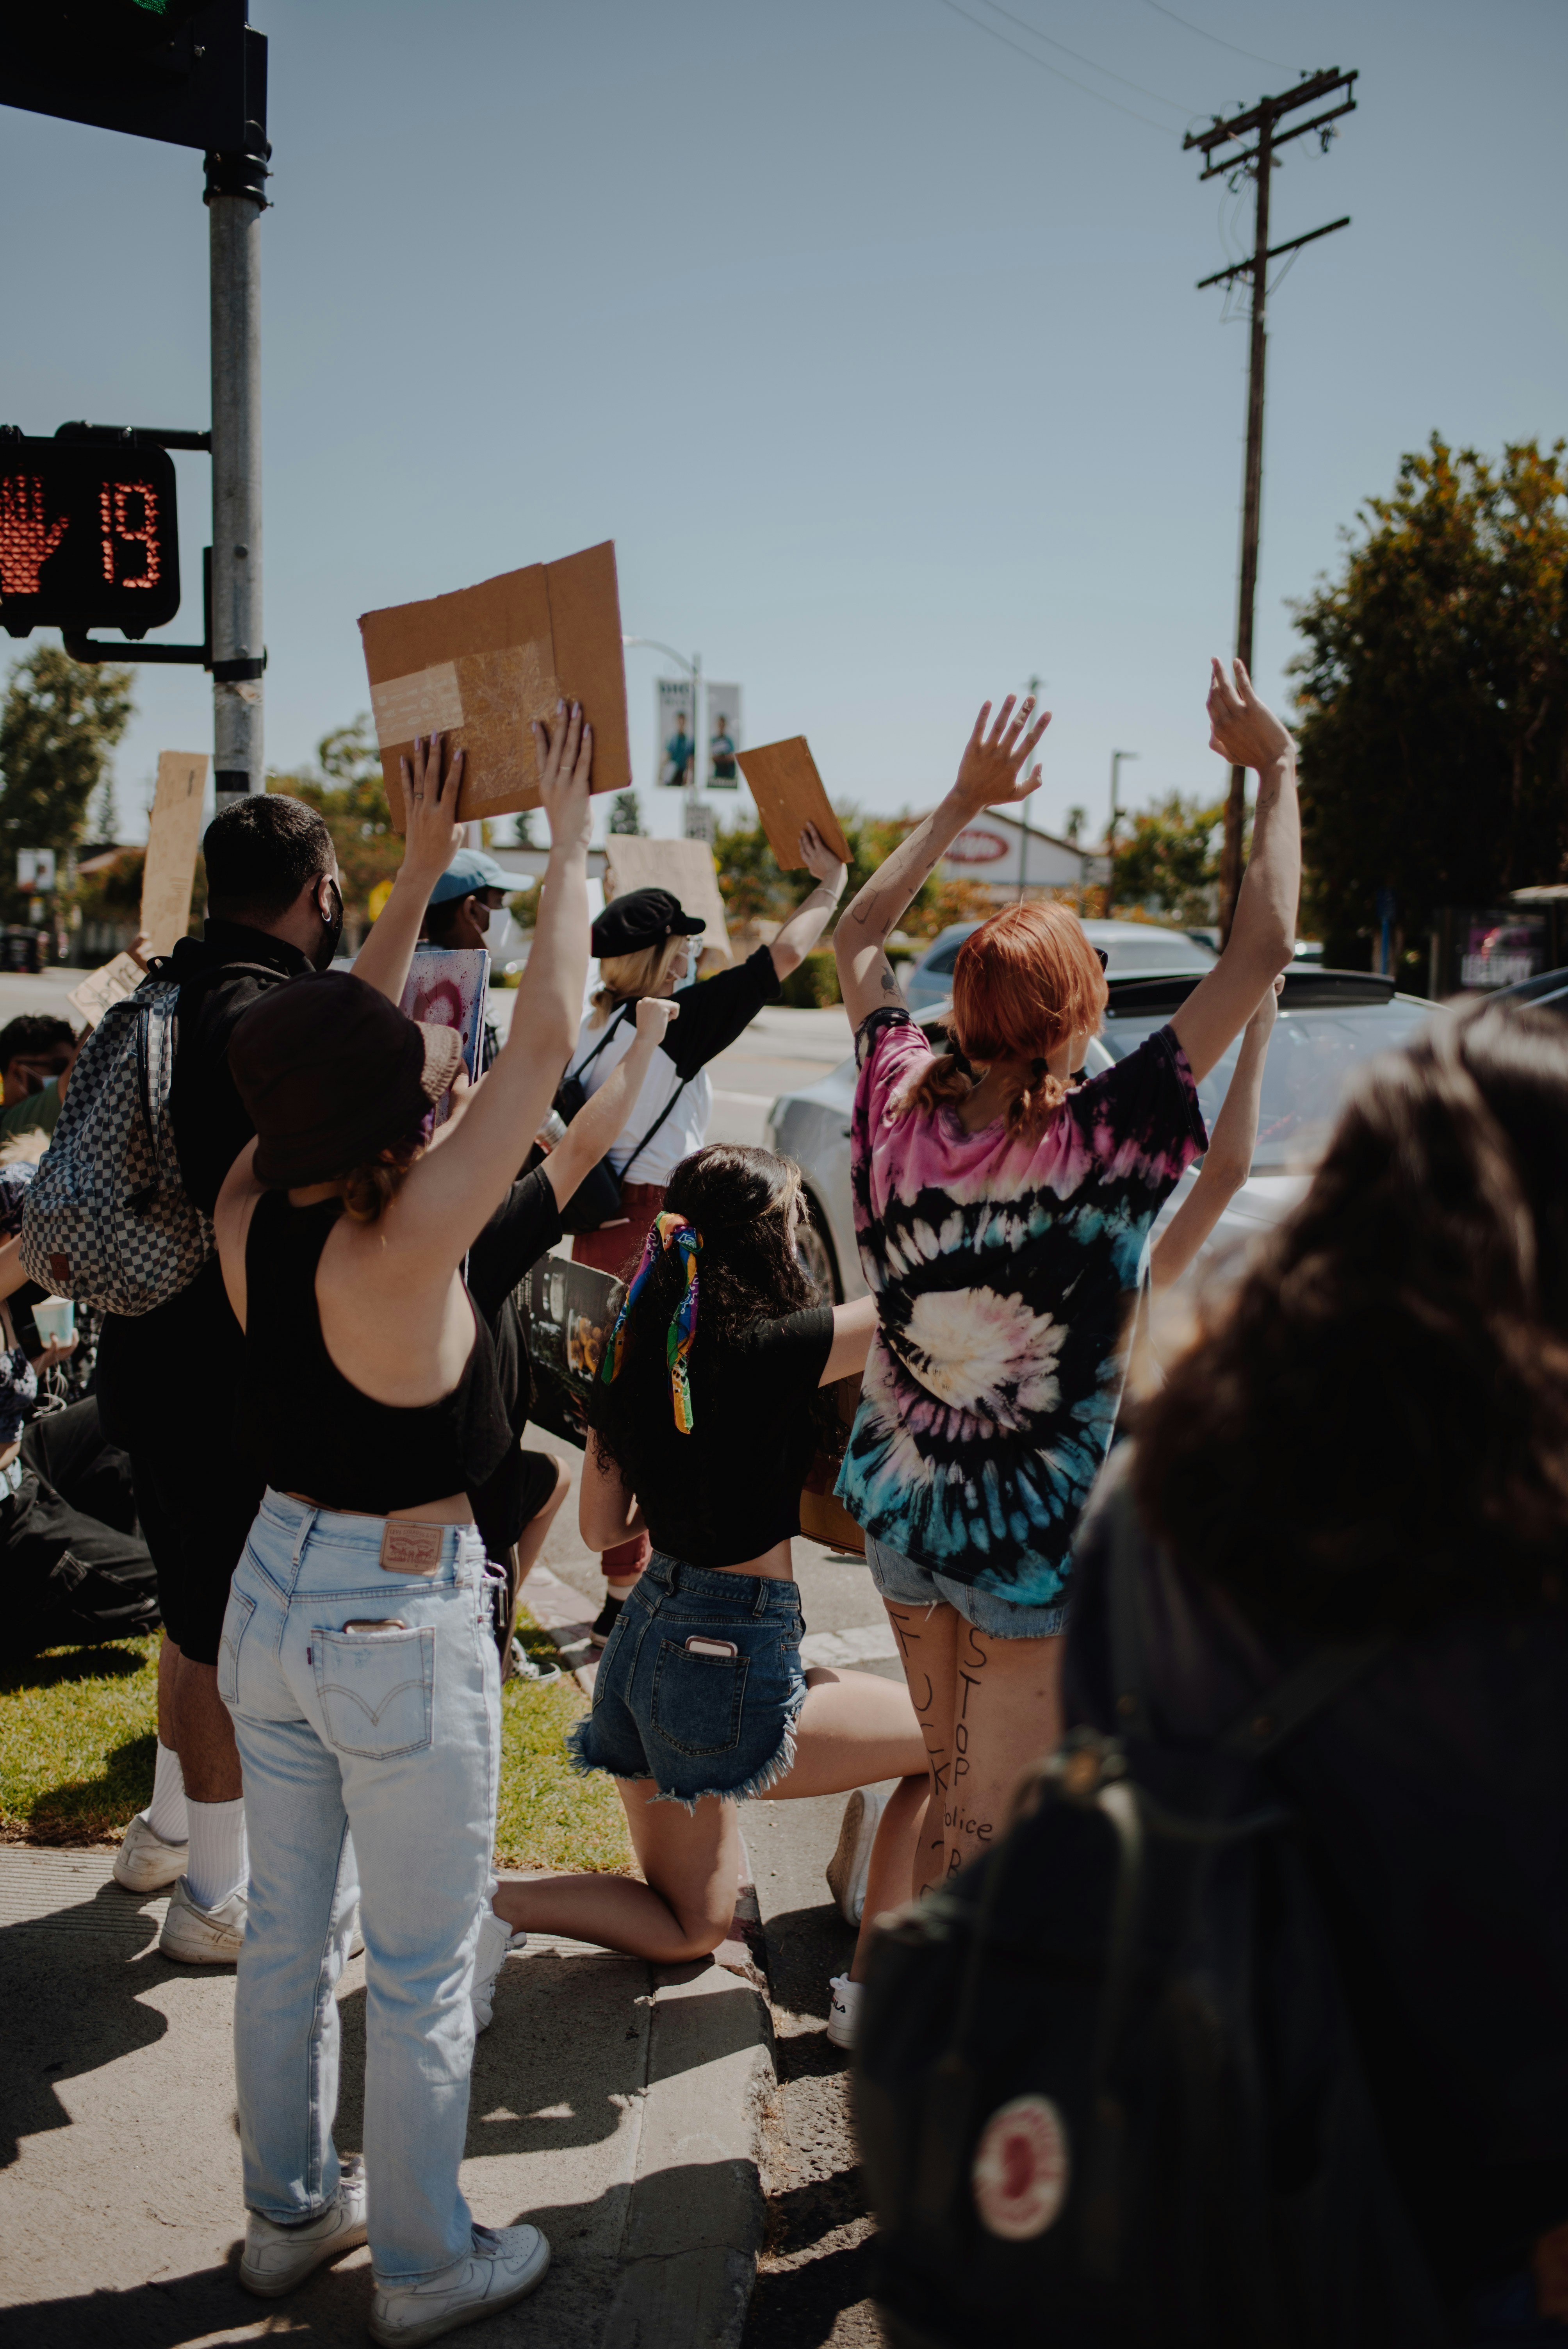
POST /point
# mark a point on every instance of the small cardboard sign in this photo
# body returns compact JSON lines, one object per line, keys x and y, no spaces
{"x":568,"y":1311}
{"x":110,"y":983}
{"x":480,"y":664}
{"x":448,"y":987}
{"x":683,"y":867}
{"x":174,"y":837}
{"x":784,"y":782}
{"x":823,"y":1517}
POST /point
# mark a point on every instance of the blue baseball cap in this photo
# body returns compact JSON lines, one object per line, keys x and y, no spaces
{"x":470,"y":870}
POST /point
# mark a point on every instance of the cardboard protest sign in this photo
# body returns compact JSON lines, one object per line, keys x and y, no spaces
{"x":683,"y":867}
{"x":109,"y":984}
{"x":789,"y":792}
{"x":174,"y":837}
{"x":567,"y":1312}
{"x":449,"y":988}
{"x":480,"y":664}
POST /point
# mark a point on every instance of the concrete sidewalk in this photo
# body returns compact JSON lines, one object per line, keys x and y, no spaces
{"x":617,"y":2104}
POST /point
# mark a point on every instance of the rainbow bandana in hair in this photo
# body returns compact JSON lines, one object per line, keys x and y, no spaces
{"x":666,"y":1231}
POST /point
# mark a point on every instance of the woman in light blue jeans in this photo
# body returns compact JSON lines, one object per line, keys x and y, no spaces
{"x":358,"y":1655}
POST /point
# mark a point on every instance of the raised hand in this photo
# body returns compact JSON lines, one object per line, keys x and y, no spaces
{"x":989,"y":774}
{"x":1243,"y":728}
{"x":655,"y":1013}
{"x":26,"y":539}
{"x":432,"y":835}
{"x":565,"y":755}
{"x":820,"y":863}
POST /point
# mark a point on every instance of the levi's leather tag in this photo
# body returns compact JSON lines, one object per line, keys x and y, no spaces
{"x":408,"y":1548}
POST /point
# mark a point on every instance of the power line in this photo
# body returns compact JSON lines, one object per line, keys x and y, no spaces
{"x":1073,"y":83}
{"x":1161,"y":9}
{"x":1051,"y":42}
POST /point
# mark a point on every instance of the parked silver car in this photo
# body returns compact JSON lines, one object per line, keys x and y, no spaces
{"x":1331,"y":1024}
{"x":1130,"y":948}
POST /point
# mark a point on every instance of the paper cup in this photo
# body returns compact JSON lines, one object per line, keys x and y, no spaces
{"x":56,"y":1320}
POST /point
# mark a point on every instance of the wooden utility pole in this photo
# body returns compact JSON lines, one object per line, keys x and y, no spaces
{"x":1261,"y":123}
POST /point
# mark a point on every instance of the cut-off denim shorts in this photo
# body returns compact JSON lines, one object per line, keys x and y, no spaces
{"x":904,"y":1582}
{"x":669,"y":1704}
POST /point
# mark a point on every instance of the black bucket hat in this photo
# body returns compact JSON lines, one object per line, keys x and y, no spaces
{"x":331,"y":1072}
{"x":642,"y":917}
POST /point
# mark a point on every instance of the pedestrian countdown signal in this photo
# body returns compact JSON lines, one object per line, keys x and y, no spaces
{"x":88,"y":536}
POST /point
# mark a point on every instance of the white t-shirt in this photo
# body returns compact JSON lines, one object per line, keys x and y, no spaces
{"x":712,"y":1013}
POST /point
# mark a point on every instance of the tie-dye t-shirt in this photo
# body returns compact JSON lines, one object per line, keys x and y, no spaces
{"x":1003,"y":1270}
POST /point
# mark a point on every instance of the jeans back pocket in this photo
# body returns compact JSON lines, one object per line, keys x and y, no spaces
{"x":697,"y":1700}
{"x":376,"y":1689}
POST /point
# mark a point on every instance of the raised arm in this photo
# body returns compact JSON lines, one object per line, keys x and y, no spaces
{"x":990,"y":774}
{"x":593,"y":1129}
{"x":810,"y":919}
{"x":452,"y":1192}
{"x":1228,"y":1160}
{"x":1263,"y":935}
{"x":431,"y":837}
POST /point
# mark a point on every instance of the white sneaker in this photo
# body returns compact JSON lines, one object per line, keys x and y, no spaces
{"x":844,"y":2014}
{"x":497,"y":1941}
{"x":277,"y":2258}
{"x":202,"y":1937}
{"x":506,"y":2264}
{"x":144,"y":1862}
{"x":850,"y":1864}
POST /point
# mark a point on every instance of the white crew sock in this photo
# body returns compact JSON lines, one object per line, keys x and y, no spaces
{"x":166,"y":1812}
{"x":219,"y":1862}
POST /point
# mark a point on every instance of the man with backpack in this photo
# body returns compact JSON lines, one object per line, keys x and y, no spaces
{"x":168,"y":1376}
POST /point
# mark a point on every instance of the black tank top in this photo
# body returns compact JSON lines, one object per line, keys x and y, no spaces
{"x":310,"y":1431}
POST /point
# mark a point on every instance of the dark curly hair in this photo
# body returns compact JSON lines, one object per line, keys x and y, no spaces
{"x":1375,"y":1432}
{"x":742,"y":1203}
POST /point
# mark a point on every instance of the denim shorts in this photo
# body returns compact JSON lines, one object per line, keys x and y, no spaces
{"x":904,"y":1582}
{"x":694,"y":1722}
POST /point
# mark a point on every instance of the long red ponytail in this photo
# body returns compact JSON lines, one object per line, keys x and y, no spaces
{"x":1023,"y":982}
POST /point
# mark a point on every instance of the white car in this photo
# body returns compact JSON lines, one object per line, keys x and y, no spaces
{"x":1127,"y":949}
{"x":1331,"y":1024}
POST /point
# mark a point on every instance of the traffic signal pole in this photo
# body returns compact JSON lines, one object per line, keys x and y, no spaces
{"x":235,"y":201}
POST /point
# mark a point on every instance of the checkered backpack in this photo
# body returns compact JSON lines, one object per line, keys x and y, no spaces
{"x":108,"y":1219}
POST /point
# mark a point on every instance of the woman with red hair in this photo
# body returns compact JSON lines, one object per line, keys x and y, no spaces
{"x":1003,"y":1213}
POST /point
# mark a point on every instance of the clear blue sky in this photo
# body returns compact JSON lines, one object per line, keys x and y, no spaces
{"x":872,"y":344}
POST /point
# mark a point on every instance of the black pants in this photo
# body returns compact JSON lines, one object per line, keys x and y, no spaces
{"x":75,"y":1564}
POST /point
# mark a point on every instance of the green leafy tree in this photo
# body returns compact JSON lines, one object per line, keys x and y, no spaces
{"x":348,"y":789}
{"x":1433,"y":694}
{"x":755,"y":889}
{"x":58,"y":728}
{"x":1167,"y":859}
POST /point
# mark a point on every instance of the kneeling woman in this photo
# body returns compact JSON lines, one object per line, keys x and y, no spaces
{"x":708,"y":1414}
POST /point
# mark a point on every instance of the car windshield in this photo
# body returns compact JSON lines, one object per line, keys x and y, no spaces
{"x":1313,"y":1056}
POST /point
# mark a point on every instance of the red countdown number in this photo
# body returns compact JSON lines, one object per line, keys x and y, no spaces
{"x":126,"y":523}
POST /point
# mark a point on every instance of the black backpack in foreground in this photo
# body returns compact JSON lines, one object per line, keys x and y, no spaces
{"x":1107,"y":2088}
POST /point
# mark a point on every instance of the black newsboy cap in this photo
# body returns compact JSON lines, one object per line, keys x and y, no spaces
{"x":642,"y":917}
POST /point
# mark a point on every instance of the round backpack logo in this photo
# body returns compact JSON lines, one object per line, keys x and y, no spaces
{"x":1021,"y":2169}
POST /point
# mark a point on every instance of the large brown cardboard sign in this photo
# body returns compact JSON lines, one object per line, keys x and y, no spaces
{"x":683,"y":867}
{"x":173,"y":837}
{"x":480,"y":664}
{"x":784,"y":782}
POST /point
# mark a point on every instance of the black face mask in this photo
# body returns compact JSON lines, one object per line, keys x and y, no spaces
{"x":331,"y":931}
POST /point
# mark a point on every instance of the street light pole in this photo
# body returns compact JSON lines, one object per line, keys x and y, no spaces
{"x":1116,"y":758}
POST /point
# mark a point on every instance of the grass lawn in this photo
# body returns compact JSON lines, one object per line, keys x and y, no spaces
{"x":77,"y":1727}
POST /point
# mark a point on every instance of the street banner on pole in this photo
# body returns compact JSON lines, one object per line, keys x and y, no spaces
{"x":683,"y":867}
{"x":723,"y":738}
{"x":480,"y":664}
{"x":174,"y":837}
{"x":675,"y":731}
{"x":789,"y":795}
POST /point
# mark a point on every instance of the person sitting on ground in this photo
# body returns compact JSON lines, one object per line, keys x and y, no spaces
{"x":704,"y":1425}
{"x":643,"y":942}
{"x":359,"y":1663}
{"x":1003,"y":1215}
{"x":1367,"y":1443}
